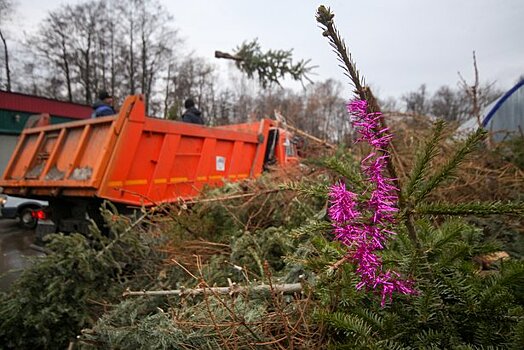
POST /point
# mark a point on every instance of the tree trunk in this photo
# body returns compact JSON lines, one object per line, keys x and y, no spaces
{"x":66,"y":70}
{"x":88,"y":69}
{"x":113,"y":70}
{"x":131,"y":58}
{"x":143,"y":79}
{"x":166,"y":97}
{"x":7,"y":70}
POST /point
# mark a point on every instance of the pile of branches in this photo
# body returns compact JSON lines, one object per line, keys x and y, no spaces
{"x":207,"y":317}
{"x":484,"y":176}
{"x":254,"y":264}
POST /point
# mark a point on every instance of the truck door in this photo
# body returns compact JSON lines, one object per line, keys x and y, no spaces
{"x":272,"y":142}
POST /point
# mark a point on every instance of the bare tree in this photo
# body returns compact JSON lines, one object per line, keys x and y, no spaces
{"x":417,"y":101}
{"x":449,"y":104}
{"x":146,"y":40}
{"x":6,"y":10}
{"x":196,"y":78}
{"x":123,"y":47}
{"x":127,"y":47}
{"x":86,"y":29}
{"x":478,"y":95}
{"x":54,"y":48}
{"x":157,"y":40}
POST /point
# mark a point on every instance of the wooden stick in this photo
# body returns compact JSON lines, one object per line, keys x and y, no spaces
{"x":305,"y":134}
{"x":336,"y":265}
{"x":287,"y":288}
{"x":220,"y":54}
{"x":280,"y":118}
{"x":230,"y":197}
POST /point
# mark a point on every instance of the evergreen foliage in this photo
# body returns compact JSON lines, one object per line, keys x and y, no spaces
{"x":279,"y":236}
{"x":271,"y":66}
{"x":448,"y":170}
{"x":67,"y":289}
{"x":458,"y":305}
{"x":429,"y":152}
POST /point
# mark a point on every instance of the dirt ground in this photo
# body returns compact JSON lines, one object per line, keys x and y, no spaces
{"x":15,"y":249}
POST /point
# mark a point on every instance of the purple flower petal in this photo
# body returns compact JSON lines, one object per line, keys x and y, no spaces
{"x":360,"y":224}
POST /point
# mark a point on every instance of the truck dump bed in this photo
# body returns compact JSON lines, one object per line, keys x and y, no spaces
{"x":132,"y":159}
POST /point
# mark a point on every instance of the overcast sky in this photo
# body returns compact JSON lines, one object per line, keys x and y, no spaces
{"x":397,"y":44}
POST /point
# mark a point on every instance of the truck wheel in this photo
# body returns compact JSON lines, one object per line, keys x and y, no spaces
{"x":26,"y":219}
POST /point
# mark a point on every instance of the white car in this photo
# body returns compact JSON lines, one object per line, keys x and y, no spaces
{"x":21,"y":208}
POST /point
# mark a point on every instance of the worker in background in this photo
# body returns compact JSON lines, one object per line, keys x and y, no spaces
{"x":103,"y":106}
{"x":192,"y":114}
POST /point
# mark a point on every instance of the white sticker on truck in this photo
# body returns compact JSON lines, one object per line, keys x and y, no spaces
{"x":221,"y":163}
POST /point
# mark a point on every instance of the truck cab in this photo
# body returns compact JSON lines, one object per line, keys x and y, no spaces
{"x":281,"y":149}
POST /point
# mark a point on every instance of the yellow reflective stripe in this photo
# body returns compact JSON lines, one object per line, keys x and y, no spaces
{"x":136,"y":182}
{"x":127,"y":183}
{"x":171,"y":180}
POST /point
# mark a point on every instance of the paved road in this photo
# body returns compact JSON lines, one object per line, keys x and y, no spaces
{"x":14,"y":249}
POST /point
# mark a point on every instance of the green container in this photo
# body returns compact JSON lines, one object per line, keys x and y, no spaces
{"x":12,"y":122}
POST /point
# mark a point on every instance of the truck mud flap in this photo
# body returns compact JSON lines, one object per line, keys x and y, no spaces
{"x":74,"y":225}
{"x":43,"y":228}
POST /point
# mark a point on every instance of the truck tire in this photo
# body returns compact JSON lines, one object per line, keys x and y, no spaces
{"x":26,"y":219}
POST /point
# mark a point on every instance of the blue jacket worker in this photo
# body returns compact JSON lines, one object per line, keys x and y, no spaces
{"x":192,"y":114}
{"x":104,"y":105}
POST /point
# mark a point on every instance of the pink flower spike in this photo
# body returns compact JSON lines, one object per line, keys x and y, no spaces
{"x":363,"y":223}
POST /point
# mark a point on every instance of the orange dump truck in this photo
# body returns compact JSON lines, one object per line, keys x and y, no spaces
{"x":133,"y":160}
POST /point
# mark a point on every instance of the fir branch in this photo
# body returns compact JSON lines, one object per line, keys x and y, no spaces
{"x":423,"y":160}
{"x":430,"y":338}
{"x":450,"y":231}
{"x":325,"y":18}
{"x":449,"y":169}
{"x":518,"y":338}
{"x":351,"y":325}
{"x":476,"y":208}
{"x":391,"y":345}
{"x":346,"y":167}
{"x":119,"y":237}
{"x":316,"y":190}
{"x":372,"y":318}
{"x":312,"y":227}
{"x":322,"y":254}
{"x":270,"y":66}
{"x":512,"y":276}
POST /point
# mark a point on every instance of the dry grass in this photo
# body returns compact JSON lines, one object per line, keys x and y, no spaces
{"x":285,"y":325}
{"x":483,"y":176}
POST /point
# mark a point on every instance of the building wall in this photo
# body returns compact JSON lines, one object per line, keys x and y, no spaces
{"x":11,"y":125}
{"x":12,"y":122}
{"x":508,"y":120}
{"x":12,"y":101}
{"x":7,"y":146}
{"x":15,"y":110}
